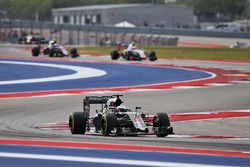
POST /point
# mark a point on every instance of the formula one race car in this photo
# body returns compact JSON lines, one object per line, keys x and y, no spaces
{"x":115,"y":119}
{"x":133,"y":53}
{"x":30,"y":39}
{"x":54,"y":50}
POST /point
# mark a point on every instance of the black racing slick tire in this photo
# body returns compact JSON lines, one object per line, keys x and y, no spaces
{"x":46,"y":51}
{"x":77,"y":122}
{"x":74,"y":53}
{"x":127,"y":55}
{"x":51,"y":52}
{"x":162,"y":123}
{"x":108,"y":123}
{"x":152,"y":56}
{"x":35,"y":51}
{"x":114,"y":54}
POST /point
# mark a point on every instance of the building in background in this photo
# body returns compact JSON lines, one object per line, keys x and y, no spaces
{"x":140,"y":15}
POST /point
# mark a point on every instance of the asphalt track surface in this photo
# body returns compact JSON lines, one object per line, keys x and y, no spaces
{"x":107,"y":75}
{"x":21,"y":116}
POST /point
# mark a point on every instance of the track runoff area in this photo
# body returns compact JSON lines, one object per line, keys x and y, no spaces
{"x":22,"y":78}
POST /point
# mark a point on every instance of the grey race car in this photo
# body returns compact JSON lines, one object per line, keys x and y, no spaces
{"x":113,"y":118}
{"x":133,"y":54}
{"x":55,"y":51}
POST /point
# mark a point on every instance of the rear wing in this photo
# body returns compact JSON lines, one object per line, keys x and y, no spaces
{"x":97,"y":99}
{"x":94,"y":100}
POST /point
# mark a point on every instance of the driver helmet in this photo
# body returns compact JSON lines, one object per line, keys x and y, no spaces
{"x":122,"y":108}
{"x":111,"y":102}
{"x":51,"y":42}
{"x":133,"y":45}
{"x":114,"y":102}
{"x":119,"y":46}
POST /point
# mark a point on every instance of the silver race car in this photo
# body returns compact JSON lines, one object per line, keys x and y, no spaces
{"x":132,"y":53}
{"x":54,"y":50}
{"x":113,"y":118}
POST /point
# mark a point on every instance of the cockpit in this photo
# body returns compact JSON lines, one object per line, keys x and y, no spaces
{"x":114,"y":102}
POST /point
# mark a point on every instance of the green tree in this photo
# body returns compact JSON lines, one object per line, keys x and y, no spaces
{"x":28,"y":9}
{"x":230,"y":9}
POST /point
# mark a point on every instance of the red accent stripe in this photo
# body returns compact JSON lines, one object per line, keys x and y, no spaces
{"x":201,"y":116}
{"x":218,"y":137}
{"x":211,"y":60}
{"x":86,"y":145}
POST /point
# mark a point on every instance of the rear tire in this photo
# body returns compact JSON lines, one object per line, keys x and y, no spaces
{"x":77,"y":122}
{"x":108,"y":123}
{"x":35,"y":51}
{"x":161,"y":121}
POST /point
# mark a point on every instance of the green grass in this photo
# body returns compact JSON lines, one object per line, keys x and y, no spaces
{"x":182,"y":52}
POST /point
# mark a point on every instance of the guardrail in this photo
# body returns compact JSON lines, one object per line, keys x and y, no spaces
{"x":79,"y":34}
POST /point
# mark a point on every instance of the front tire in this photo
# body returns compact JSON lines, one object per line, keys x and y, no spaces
{"x":74,"y":53}
{"x":46,"y":51}
{"x":152,"y":56}
{"x":127,"y":55}
{"x":77,"y":122}
{"x":162,"y":124}
{"x":108,"y":123}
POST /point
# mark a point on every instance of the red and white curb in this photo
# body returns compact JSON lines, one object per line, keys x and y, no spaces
{"x":175,"y":118}
{"x":89,"y":145}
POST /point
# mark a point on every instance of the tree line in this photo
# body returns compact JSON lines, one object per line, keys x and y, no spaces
{"x":224,"y":10}
{"x":41,"y":9}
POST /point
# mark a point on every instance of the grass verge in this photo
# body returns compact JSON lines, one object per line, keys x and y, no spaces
{"x":181,"y":52}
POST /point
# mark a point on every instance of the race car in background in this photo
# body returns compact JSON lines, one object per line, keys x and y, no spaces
{"x":32,"y":39}
{"x":113,"y":118}
{"x":132,"y":53}
{"x":54,"y":50}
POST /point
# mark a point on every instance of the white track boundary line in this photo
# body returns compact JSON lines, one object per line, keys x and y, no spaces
{"x":219,"y":84}
{"x":79,"y":73}
{"x":102,"y":160}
